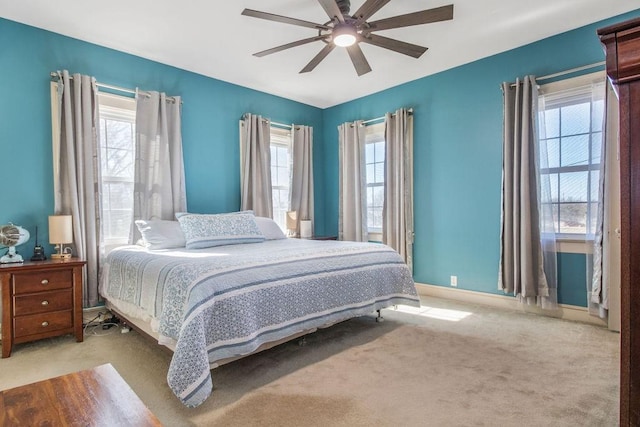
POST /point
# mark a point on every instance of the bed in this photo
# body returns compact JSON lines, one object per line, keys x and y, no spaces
{"x":213,"y":304}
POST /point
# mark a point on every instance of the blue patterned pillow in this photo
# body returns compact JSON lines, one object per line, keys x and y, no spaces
{"x":206,"y":231}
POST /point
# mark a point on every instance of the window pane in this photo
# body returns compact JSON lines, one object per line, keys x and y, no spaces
{"x":378,"y":196}
{"x":369,"y":153}
{"x":552,"y":123}
{"x":121,"y":195}
{"x":283,"y":176}
{"x":552,"y":147}
{"x":573,"y":218}
{"x":593,"y":217}
{"x":596,"y":147}
{"x":546,"y":192}
{"x":598,"y":115}
{"x":119,"y":164}
{"x":576,"y":119}
{"x":553,"y":185}
{"x":556,"y":216}
{"x":283,"y":157}
{"x":119,"y":222}
{"x":595,"y":185}
{"x":575,"y":150}
{"x":379,"y":151}
{"x":371,"y":175}
{"x":379,"y":175}
{"x":369,"y":196}
{"x":118,"y":134}
{"x":573,"y":187}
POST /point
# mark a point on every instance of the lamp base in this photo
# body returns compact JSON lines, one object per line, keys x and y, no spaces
{"x":61,"y":256}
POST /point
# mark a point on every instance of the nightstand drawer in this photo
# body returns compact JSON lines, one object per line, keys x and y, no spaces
{"x":43,"y":302}
{"x":38,"y":281}
{"x":41,"y":323}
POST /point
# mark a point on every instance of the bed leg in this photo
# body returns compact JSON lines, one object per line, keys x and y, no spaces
{"x":302,"y":341}
{"x":379,"y":319}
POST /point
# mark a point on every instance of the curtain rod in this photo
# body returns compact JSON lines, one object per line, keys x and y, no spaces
{"x":572,"y":70}
{"x":282,"y":125}
{"x":569,"y":71}
{"x":55,"y":77}
{"x":383,"y":117}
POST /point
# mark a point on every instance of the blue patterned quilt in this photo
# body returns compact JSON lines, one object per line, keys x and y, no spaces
{"x":227,"y":301}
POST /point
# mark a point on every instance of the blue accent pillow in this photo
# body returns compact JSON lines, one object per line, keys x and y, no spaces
{"x":206,"y":231}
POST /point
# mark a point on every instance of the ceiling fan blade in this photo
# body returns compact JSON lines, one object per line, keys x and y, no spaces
{"x":332,"y":9}
{"x":368,"y":9}
{"x":410,"y":49}
{"x":319,"y":57}
{"x":288,"y":45}
{"x":359,"y":61}
{"x":438,"y":14}
{"x":283,"y":19}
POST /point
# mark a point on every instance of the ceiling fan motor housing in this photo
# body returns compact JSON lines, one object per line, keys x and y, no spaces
{"x":344,"y":6}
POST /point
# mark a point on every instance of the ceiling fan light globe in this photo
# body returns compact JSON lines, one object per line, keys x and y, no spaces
{"x":344,"y":40}
{"x":344,"y":35}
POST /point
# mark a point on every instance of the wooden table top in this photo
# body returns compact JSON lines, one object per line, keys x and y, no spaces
{"x":95,"y":397}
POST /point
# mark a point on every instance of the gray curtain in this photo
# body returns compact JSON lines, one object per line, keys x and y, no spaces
{"x":255,"y":165}
{"x":77,"y":174}
{"x":397,"y":213}
{"x":352,"y":218}
{"x":302,"y":174}
{"x":608,"y":214}
{"x":159,"y":183}
{"x":528,"y":260}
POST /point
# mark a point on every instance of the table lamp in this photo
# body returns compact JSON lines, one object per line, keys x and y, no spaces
{"x":60,"y":233}
{"x":292,"y":223}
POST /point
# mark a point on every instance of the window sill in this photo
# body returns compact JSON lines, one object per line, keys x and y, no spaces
{"x":375,"y":236}
{"x":574,"y":246}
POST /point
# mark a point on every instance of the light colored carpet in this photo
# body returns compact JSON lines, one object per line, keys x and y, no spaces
{"x":448,"y":364}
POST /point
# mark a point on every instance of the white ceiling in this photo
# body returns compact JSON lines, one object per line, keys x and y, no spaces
{"x":213,"y":39}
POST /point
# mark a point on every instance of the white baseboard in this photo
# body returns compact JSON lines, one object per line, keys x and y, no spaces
{"x":565,"y":311}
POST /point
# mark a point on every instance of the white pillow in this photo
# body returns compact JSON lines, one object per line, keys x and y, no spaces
{"x":161,"y":234}
{"x":206,"y":231}
{"x":269,"y":228}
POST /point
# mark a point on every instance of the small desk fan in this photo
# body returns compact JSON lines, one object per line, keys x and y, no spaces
{"x":10,"y":237}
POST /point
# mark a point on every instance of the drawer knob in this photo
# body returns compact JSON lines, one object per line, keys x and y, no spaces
{"x":45,"y":281}
{"x":45,"y":302}
{"x":45,"y":324}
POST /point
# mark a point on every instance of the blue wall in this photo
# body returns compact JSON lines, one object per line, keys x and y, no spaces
{"x":458,"y":157}
{"x":458,"y":125}
{"x":211,"y":112}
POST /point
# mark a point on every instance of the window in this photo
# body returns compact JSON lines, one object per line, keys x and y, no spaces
{"x":571,"y":125}
{"x":280,"y":174}
{"x":374,"y":160}
{"x":117,"y":145}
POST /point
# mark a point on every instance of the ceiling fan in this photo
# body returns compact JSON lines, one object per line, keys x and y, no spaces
{"x":348,"y":31}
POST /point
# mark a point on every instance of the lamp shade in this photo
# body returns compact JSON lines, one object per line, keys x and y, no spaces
{"x":306,"y":229}
{"x":60,"y":229}
{"x":292,"y":220}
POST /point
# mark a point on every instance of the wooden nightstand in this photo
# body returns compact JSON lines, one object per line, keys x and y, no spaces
{"x":40,"y":300}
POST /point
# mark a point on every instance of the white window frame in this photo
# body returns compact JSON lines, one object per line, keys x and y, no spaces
{"x":569,"y":242}
{"x":121,"y":108}
{"x":282,"y":138}
{"x":374,"y":133}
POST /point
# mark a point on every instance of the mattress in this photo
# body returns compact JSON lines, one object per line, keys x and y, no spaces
{"x":223,"y":302}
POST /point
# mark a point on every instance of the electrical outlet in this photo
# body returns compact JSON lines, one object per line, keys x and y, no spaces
{"x":454,"y":280}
